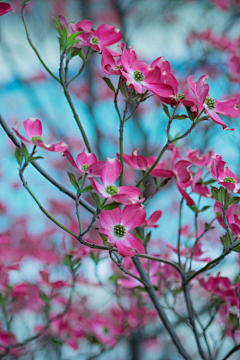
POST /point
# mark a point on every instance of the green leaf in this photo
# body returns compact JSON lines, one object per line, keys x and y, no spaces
{"x":208,"y":182}
{"x":24,"y":150}
{"x":102,"y":236}
{"x":44,"y":297}
{"x":124,"y":90}
{"x":180,"y":117}
{"x":225,"y":241}
{"x":138,"y":234}
{"x":236,"y":249}
{"x":79,"y":52}
{"x":95,"y":257}
{"x":68,"y":260}
{"x":86,"y":189}
{"x":34,"y":158}
{"x":111,"y":206}
{"x":18,"y":156}
{"x":203,"y":118}
{"x":214,"y":192}
{"x":73,"y":181}
{"x":109,"y":83}
{"x":234,"y":320}
{"x":233,"y":201}
{"x":204,"y":208}
{"x":190,"y":115}
{"x":96,"y":199}
{"x":164,"y":182}
{"x":208,"y":227}
{"x":72,"y":39}
{"x":56,"y":341}
{"x":165,"y":109}
{"x":148,"y":237}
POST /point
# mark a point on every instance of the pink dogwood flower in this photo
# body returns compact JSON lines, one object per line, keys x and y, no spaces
{"x":223,"y":175}
{"x":222,"y":287}
{"x":5,"y":8}
{"x":182,"y":173}
{"x":123,"y":194}
{"x":85,"y":163}
{"x":140,"y":75}
{"x":213,"y":107}
{"x":151,"y":222}
{"x":197,"y":185}
{"x":116,"y":225}
{"x":139,"y":162}
{"x":104,"y":35}
{"x":199,"y":160}
{"x":33,"y":129}
{"x":232,"y":219}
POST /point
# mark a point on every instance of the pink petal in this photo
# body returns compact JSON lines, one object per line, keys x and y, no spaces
{"x":70,"y":158}
{"x":185,"y":195}
{"x":33,"y":128}
{"x":109,"y":218}
{"x":5,"y":8}
{"x":132,"y":216}
{"x":84,"y":25}
{"x":161,"y":89}
{"x":135,"y":243}
{"x":127,"y":195}
{"x":192,"y":84}
{"x":99,"y":188}
{"x":60,"y":146}
{"x":124,"y":248}
{"x":19,"y":135}
{"x":96,"y":168}
{"x":202,"y":88}
{"x":111,"y":171}
{"x":228,"y":108}
{"x":107,"y":35}
{"x":216,"y":118}
{"x":85,"y":159}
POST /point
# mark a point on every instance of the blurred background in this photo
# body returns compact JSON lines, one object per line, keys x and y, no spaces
{"x":196,"y":37}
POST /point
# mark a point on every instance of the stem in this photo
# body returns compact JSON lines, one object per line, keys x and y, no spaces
{"x":76,"y":117}
{"x":191,"y":319}
{"x":78,"y":213}
{"x":214,"y":261}
{"x":152,"y":293}
{"x":42,"y":208}
{"x":237,"y":347}
{"x":226,"y":225}
{"x":179,"y":233}
{"x":34,"y":337}
{"x":121,"y":128}
{"x":118,"y":263}
{"x":155,"y":164}
{"x":33,"y":47}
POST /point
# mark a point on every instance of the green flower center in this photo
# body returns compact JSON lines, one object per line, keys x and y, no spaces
{"x":105,"y":330}
{"x":112,"y":190}
{"x":119,"y":67}
{"x":35,"y":138}
{"x":229,"y":179}
{"x":210,"y":103}
{"x":138,"y":75}
{"x":95,"y":41}
{"x":181,"y":96}
{"x":85,"y":167}
{"x":119,"y":230}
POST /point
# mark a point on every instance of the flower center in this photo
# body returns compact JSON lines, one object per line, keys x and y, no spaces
{"x":94,"y":41}
{"x":181,"y":96}
{"x":112,"y":190}
{"x":138,"y":75}
{"x":210,"y":103}
{"x":229,"y":179}
{"x":85,"y":167}
{"x":35,"y":138}
{"x":119,"y":67}
{"x":119,"y":230}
